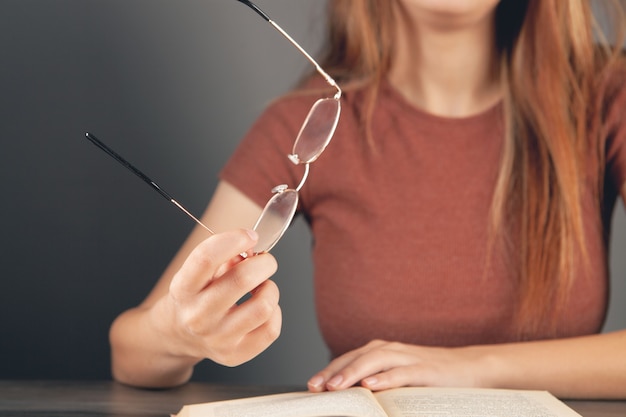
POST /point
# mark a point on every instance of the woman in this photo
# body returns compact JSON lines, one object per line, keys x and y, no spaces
{"x":460,"y":214}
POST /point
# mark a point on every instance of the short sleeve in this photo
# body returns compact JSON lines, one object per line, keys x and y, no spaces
{"x":260,"y":161}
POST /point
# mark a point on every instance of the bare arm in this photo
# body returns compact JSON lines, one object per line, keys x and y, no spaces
{"x":586,"y":367}
{"x":191,"y":313}
{"x":583,"y":367}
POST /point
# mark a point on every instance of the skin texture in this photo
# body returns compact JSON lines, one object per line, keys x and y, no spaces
{"x":445,"y":66}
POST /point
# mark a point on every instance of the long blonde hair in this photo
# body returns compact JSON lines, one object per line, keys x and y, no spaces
{"x":551,"y":68}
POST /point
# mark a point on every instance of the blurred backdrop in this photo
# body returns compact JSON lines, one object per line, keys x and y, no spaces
{"x":172,"y":86}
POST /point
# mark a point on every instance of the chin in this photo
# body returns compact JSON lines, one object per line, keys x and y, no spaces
{"x":450,"y":12}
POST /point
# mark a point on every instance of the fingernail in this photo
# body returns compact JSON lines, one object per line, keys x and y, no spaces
{"x":316,"y":382}
{"x":370,"y":382}
{"x":253,"y":234}
{"x":335,"y":381}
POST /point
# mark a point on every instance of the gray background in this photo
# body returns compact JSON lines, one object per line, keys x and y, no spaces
{"x":171,"y":85}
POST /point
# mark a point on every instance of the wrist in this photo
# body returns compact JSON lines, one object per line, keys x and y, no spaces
{"x":161,"y":319}
{"x":489,"y":370}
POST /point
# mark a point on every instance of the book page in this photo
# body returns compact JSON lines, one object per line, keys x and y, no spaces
{"x":471,"y":402}
{"x":354,"y":402}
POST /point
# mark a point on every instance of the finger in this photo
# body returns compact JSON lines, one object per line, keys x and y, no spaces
{"x":204,"y":261}
{"x":381,"y":358}
{"x":208,"y":313}
{"x":396,"y":377}
{"x":256,"y":311}
{"x":319,"y":381}
{"x":234,"y":261}
{"x":263,"y":336}
{"x":240,"y":280}
{"x":368,"y":364}
{"x":250,"y":327}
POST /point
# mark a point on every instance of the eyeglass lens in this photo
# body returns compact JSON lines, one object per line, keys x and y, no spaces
{"x":315,"y":134}
{"x":275,"y":219}
{"x":317,"y":130}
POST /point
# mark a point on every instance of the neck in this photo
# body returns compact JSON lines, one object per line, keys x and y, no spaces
{"x":447,"y":71}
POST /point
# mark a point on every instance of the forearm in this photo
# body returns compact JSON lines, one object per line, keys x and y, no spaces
{"x":584,"y":367}
{"x":141,"y":355}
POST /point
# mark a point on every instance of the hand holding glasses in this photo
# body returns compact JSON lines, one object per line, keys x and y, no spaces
{"x":315,"y":134}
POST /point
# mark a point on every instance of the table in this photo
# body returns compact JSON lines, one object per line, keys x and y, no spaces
{"x":111,"y":399}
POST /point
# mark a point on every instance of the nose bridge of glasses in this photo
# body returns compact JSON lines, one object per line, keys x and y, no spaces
{"x":304,"y":177}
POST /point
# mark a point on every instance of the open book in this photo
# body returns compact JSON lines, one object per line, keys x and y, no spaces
{"x":398,"y":402}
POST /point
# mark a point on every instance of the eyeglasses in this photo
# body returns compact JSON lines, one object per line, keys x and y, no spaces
{"x":315,"y":134}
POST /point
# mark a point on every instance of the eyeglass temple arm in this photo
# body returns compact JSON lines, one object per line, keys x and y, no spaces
{"x":317,"y":66}
{"x":143,"y":176}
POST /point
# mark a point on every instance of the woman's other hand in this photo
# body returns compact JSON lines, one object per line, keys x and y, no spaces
{"x":382,"y":365}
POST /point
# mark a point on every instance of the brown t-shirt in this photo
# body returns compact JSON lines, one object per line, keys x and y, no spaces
{"x":400,"y":225}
